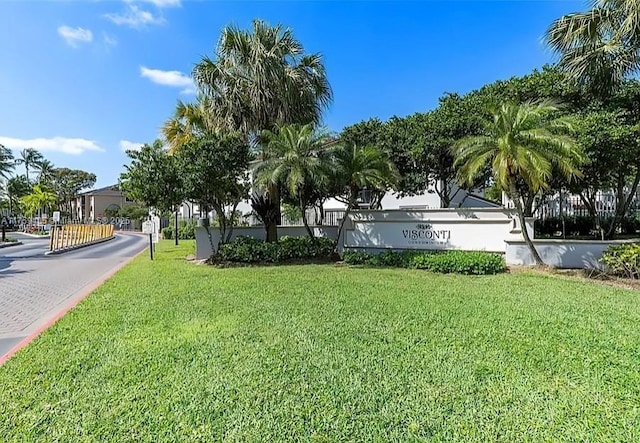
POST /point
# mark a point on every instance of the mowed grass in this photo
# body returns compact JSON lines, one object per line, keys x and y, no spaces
{"x":172,"y":351}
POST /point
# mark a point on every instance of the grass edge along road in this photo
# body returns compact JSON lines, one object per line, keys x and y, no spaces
{"x":173,"y":351}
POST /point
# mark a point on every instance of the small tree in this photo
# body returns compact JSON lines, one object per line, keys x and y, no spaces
{"x":521,"y":143}
{"x":153,"y":178}
{"x":67,"y":183}
{"x":214,"y":169}
{"x":358,"y":168}
{"x":293,"y":163}
{"x":38,"y":199}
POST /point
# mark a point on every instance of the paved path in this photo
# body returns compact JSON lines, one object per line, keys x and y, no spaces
{"x":34,"y":287}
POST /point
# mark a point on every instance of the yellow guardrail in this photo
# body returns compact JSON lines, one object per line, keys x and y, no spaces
{"x":70,"y":236}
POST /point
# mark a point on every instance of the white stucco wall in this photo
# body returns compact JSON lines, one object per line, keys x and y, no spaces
{"x":479,"y":229}
{"x":566,"y":254}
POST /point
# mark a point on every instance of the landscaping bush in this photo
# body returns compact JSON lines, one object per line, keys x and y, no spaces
{"x":623,"y":260}
{"x":630,"y":225}
{"x":459,"y":262}
{"x":252,"y":250}
{"x":186,"y":231}
{"x":578,"y":226}
{"x":167,"y":233}
{"x":464,"y":262}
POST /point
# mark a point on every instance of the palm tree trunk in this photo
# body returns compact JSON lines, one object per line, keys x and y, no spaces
{"x":351,"y":204}
{"x":305,"y":222}
{"x":272,"y":226}
{"x":518,"y":203}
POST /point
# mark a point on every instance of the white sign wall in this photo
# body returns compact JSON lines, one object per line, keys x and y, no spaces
{"x":486,"y":231}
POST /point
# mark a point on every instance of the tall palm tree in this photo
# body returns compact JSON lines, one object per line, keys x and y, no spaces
{"x":293,"y":161}
{"x":29,"y":158}
{"x":46,"y":172}
{"x":522,"y":144}
{"x":7,"y":162}
{"x":261,"y":79}
{"x":358,"y":168}
{"x":600,"y":47}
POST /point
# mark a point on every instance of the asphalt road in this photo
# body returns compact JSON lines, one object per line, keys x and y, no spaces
{"x":34,"y":287}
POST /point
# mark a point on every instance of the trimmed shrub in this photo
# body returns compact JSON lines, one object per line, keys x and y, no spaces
{"x":465,"y":262}
{"x":187,"y":232}
{"x":251,"y":250}
{"x":459,"y":262}
{"x":167,"y":233}
{"x":623,"y":260}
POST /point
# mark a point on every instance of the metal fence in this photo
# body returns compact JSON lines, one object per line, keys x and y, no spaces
{"x":571,"y":205}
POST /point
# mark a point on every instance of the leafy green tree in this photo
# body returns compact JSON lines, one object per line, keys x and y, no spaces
{"x":611,"y":143}
{"x":521,"y":142}
{"x":153,"y":178}
{"x":261,"y":79}
{"x":293,"y":162}
{"x":359,"y":168}
{"x":67,"y":183}
{"x":215,"y":175}
{"x":30,"y":158}
{"x":17,"y":187}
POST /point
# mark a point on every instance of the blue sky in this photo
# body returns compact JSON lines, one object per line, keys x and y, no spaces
{"x":81,"y":80}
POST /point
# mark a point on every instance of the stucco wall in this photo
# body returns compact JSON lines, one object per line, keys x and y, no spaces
{"x":567,"y":254}
{"x":480,"y":229}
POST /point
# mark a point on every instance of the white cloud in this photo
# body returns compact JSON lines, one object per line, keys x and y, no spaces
{"x":127,"y":145}
{"x":175,"y":79}
{"x":135,"y":17}
{"x":74,"y":36}
{"x":74,"y":146}
{"x":159,"y":3}
{"x":109,"y":41}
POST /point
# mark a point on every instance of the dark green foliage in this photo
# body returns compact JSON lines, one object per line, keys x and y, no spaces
{"x":153,"y":177}
{"x":186,"y":231}
{"x":581,"y":226}
{"x":464,"y":262}
{"x":623,"y":260}
{"x":458,"y":262}
{"x":167,"y":233}
{"x":252,"y":250}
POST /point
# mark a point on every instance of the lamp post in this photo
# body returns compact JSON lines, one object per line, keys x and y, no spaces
{"x":176,"y":231}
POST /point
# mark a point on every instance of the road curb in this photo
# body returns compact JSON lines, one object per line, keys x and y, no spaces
{"x":74,"y":248}
{"x":33,"y":235}
{"x":72,"y":303}
{"x":10,"y":244}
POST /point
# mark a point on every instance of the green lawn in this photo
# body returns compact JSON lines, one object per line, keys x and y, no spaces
{"x":172,"y":351}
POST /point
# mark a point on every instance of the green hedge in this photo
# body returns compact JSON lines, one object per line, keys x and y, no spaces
{"x":186,"y":231}
{"x":459,"y":262}
{"x":251,"y":250}
{"x":623,"y":260}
